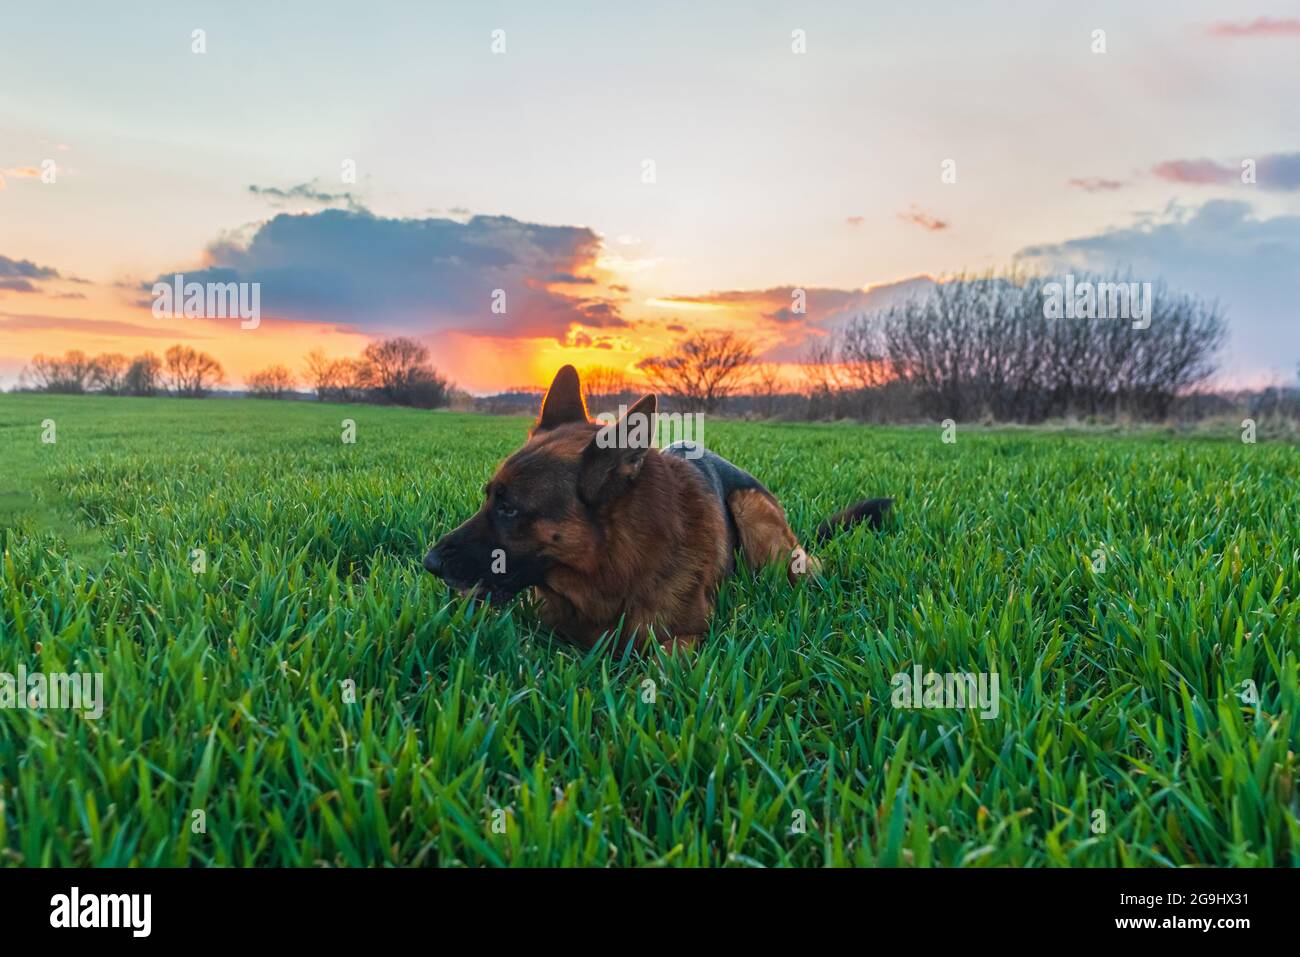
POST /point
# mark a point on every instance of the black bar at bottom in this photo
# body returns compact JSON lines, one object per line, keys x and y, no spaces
{"x":335,"y":907}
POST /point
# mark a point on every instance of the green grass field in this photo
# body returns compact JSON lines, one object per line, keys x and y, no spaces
{"x":1121,"y":688}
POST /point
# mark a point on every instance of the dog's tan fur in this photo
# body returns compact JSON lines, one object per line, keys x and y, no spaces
{"x":623,"y":541}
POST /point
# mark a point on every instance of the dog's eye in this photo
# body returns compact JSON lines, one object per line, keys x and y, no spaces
{"x":505,"y":511}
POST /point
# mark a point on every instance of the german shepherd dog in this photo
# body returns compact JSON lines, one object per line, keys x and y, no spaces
{"x":616,"y":536}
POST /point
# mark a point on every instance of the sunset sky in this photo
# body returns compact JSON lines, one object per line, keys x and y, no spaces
{"x":525,"y":170}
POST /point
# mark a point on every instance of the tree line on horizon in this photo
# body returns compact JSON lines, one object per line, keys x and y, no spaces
{"x":973,"y":348}
{"x":393,"y":371}
{"x":980,"y":347}
{"x":181,"y":371}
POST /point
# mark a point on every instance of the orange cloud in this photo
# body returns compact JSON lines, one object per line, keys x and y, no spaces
{"x":19,"y":172}
{"x":14,"y":323}
{"x":923,"y":219}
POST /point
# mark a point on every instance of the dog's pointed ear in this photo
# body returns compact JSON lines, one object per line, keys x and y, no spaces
{"x":612,"y":459}
{"x":563,"y":403}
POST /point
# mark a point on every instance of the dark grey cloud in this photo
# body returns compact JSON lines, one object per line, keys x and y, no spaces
{"x":416,"y":276}
{"x":26,"y":269}
{"x":1221,"y":250}
{"x":307,"y":192}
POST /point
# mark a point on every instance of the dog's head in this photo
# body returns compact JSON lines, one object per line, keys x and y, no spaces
{"x":541,"y":509}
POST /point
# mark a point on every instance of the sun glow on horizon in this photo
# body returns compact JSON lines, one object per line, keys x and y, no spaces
{"x":686,"y":304}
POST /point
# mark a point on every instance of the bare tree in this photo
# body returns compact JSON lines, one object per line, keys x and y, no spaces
{"x":108,"y":372}
{"x":391,"y":363}
{"x":190,"y":373}
{"x":336,"y":380}
{"x":604,"y":381}
{"x":701,"y":370}
{"x":820,"y":369}
{"x":398,"y":371}
{"x":273,"y":382}
{"x":985,"y":345}
{"x":344,"y":380}
{"x":319,"y":370}
{"x":766,"y":388}
{"x":143,"y":376}
{"x":71,"y":373}
{"x":348,"y":380}
{"x":604,"y":388}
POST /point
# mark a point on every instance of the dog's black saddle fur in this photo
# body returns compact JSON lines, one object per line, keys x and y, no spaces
{"x":720,"y":476}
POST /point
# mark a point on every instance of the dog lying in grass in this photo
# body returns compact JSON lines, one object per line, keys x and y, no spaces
{"x":611,"y":532}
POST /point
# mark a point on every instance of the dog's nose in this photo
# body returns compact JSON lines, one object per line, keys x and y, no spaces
{"x":433,"y":561}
